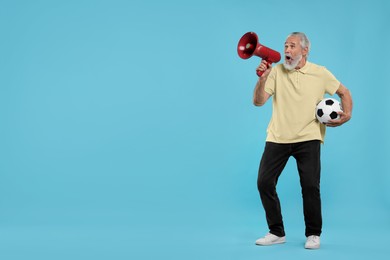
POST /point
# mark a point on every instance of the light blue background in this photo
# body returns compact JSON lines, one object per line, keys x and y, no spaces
{"x":127,"y":129}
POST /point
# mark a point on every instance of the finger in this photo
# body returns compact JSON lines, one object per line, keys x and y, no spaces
{"x":265,"y":64}
{"x":333,"y":123}
{"x":262,"y":67}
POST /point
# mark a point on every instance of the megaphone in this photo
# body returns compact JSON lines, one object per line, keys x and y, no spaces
{"x":249,"y":45}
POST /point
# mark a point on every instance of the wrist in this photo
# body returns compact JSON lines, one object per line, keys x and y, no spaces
{"x":262,"y":79}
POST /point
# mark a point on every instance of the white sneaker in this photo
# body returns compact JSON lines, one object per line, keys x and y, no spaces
{"x":312,"y":242}
{"x":270,"y":239}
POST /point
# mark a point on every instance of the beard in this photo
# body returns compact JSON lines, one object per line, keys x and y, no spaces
{"x":290,"y":64}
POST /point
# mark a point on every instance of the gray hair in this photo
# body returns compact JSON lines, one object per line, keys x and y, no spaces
{"x":303,"y":39}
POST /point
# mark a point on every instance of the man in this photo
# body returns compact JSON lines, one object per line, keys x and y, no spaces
{"x":296,"y":87}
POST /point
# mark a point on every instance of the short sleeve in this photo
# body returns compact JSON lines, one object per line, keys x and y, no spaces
{"x":331,"y":83}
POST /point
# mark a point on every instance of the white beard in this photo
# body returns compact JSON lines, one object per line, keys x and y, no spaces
{"x":292,"y":64}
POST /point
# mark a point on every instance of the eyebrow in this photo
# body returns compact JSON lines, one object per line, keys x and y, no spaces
{"x":293,"y":43}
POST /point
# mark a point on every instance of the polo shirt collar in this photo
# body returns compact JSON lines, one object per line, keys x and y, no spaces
{"x":305,"y":68}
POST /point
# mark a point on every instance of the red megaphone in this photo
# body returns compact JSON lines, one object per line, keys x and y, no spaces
{"x":249,"y":45}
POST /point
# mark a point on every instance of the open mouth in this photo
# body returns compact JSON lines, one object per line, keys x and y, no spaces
{"x":288,"y":57}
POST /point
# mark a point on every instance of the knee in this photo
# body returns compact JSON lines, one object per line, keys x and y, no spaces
{"x":264,"y":185}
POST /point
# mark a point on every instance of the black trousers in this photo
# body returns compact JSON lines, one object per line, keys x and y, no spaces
{"x":273,"y":161}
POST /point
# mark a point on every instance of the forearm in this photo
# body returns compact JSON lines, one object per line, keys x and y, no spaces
{"x":259,"y":95}
{"x":346,"y":102}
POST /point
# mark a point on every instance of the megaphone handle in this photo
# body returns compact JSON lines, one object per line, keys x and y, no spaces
{"x":260,"y":73}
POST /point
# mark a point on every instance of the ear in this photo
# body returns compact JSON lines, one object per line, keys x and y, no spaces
{"x":305,"y":51}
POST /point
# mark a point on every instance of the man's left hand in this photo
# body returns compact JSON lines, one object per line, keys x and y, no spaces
{"x":338,"y":122}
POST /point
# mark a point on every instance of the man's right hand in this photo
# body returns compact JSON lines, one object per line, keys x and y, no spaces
{"x":264,"y":66}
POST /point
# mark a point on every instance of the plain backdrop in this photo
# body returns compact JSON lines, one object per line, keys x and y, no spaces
{"x":127,"y":129}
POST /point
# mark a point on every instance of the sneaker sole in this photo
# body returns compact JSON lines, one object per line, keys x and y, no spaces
{"x":312,"y":247}
{"x":273,"y":243}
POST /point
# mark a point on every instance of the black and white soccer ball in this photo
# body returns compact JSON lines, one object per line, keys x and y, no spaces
{"x":327,"y":110}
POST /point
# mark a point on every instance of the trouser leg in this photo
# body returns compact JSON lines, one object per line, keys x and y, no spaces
{"x":273,"y":161}
{"x":307,"y":155}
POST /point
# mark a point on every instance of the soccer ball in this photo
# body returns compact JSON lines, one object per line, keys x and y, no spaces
{"x":327,"y":109}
